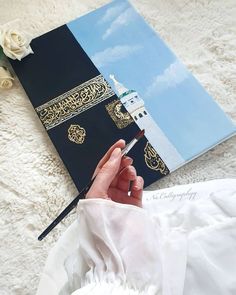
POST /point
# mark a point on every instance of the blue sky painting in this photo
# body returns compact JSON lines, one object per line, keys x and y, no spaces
{"x":120,"y":42}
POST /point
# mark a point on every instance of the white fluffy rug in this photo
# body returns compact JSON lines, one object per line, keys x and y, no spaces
{"x":35,"y":186}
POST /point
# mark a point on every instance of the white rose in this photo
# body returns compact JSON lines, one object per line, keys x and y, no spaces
{"x":5,"y":78}
{"x":15,"y":45}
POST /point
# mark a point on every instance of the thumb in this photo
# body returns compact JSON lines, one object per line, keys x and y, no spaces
{"x":105,"y":176}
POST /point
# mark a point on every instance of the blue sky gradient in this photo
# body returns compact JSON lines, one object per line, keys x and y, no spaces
{"x":120,"y":42}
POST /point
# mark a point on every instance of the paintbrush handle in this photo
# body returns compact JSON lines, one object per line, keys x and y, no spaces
{"x":66,"y":211}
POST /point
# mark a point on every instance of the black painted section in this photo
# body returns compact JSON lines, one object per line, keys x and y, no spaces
{"x":59,"y":64}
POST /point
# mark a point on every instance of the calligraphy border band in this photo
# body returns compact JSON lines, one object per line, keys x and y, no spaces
{"x":74,"y":102}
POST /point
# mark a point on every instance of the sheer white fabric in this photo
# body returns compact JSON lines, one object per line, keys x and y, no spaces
{"x":182,"y":242}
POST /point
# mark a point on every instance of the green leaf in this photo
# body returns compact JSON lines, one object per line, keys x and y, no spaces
{"x":1,"y":52}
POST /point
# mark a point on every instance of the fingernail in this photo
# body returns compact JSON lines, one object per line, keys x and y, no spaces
{"x":115,"y":154}
{"x":138,"y":185}
{"x":128,"y":158}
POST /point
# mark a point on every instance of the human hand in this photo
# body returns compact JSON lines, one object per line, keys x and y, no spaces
{"x":114,"y":175}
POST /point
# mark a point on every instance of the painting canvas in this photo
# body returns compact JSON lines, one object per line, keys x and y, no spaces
{"x":105,"y":76}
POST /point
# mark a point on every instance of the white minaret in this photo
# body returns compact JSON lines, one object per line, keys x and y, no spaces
{"x":135,"y":106}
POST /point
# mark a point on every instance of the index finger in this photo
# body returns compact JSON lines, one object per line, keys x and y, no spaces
{"x":119,"y":144}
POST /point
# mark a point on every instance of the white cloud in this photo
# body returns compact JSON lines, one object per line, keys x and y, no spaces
{"x":112,"y":13}
{"x":123,"y":19}
{"x":175,"y":74}
{"x":112,"y":54}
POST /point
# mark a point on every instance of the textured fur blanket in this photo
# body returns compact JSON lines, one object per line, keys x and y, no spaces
{"x":34,"y":184}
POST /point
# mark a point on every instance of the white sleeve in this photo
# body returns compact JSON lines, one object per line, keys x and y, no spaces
{"x":118,"y":245}
{"x":178,"y":244}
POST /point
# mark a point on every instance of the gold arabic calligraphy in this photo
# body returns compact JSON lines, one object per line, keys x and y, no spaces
{"x":120,"y":118}
{"x":153,"y":160}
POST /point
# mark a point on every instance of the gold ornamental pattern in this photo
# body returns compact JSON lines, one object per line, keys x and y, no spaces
{"x":121,"y":119}
{"x":76,"y":133}
{"x":74,"y":102}
{"x":153,"y":160}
